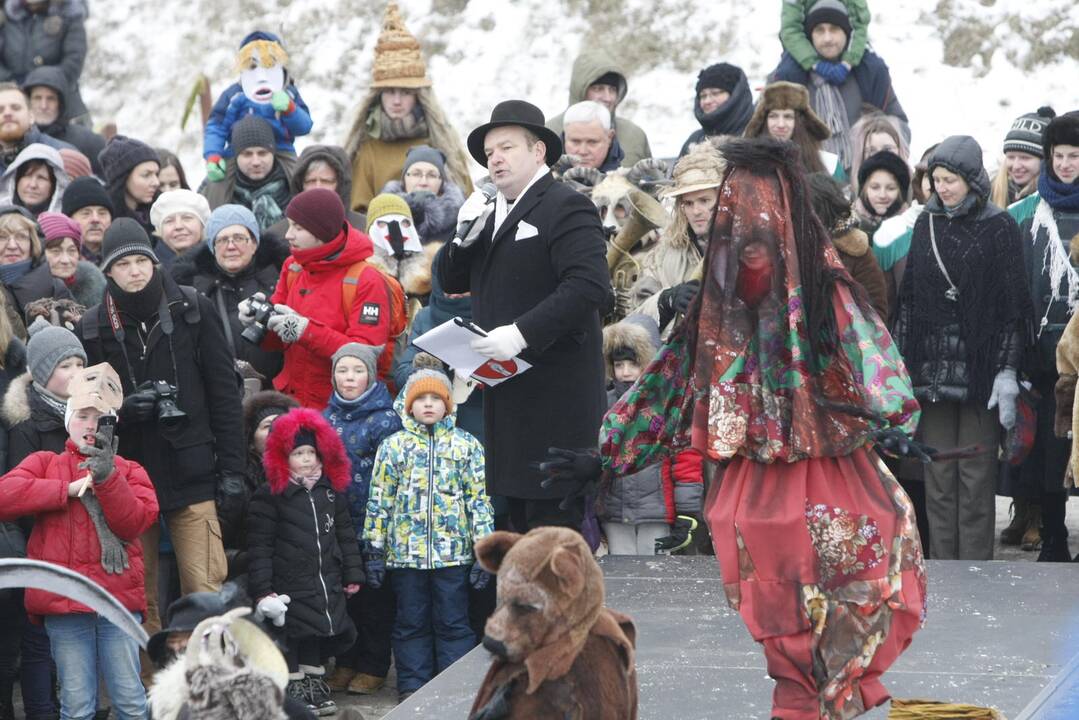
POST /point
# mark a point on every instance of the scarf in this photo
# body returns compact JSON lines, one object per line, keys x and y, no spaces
{"x":307,"y":481}
{"x":326,"y":251}
{"x":143,"y":304}
{"x":55,"y":404}
{"x":504,"y":206}
{"x":267,"y":198}
{"x":731,"y":117}
{"x":1056,"y":261}
{"x":13,"y":272}
{"x":381,"y":126}
{"x":828,"y":104}
{"x":1059,"y":195}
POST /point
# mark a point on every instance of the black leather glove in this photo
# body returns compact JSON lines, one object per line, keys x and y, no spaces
{"x":675,"y":300}
{"x":579,"y":469}
{"x":230,"y":497}
{"x":680,"y":537}
{"x":138,"y":406}
{"x":898,"y":444}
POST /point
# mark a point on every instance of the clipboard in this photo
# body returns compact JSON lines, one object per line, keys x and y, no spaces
{"x":450,"y":342}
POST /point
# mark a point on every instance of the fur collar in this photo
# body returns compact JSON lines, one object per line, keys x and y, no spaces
{"x":335,"y":464}
{"x":439,"y":212}
{"x":854,"y":242}
{"x":762,"y":151}
{"x":89,"y":286}
{"x":16,"y":404}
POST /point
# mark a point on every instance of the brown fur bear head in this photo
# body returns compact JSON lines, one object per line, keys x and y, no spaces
{"x":550,"y":593}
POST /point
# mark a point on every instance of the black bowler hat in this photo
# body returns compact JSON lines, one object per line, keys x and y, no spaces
{"x":522,"y":114}
{"x":187,"y":612}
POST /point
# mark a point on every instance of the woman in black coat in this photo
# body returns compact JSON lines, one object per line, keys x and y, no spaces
{"x":227,"y":269}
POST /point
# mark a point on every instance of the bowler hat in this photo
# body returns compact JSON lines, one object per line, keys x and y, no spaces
{"x":520,"y":113}
{"x":187,"y":612}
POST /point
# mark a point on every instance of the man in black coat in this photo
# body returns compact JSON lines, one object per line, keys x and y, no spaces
{"x":151,"y":329}
{"x":534,"y":261}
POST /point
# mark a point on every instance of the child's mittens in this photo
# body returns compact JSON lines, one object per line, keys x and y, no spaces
{"x":273,"y":608}
{"x":280,"y":101}
{"x":215,"y":168}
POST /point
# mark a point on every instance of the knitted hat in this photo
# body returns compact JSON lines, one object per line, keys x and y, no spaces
{"x":386,"y":204}
{"x":723,"y":76}
{"x":125,"y":237}
{"x":173,"y":202}
{"x":1061,"y":130}
{"x":304,"y":436}
{"x":320,"y":212}
{"x":85,"y":192}
{"x":827,"y":11}
{"x":428,"y":381}
{"x":427,"y":154}
{"x":56,"y":226}
{"x":251,"y":132}
{"x":398,"y":62}
{"x":891,"y":163}
{"x":49,"y":346}
{"x":76,"y":165}
{"x":1027,"y":131}
{"x":699,"y":169}
{"x":226,"y":215}
{"x":367,"y":354}
{"x":121,"y":156}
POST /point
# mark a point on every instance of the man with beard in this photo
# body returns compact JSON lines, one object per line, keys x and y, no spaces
{"x":87,"y":202}
{"x":255,"y":177}
{"x":17,"y":128}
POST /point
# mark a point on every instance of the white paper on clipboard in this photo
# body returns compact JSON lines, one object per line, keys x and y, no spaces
{"x":451,"y":343}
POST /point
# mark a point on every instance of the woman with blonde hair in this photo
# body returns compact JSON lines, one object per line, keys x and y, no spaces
{"x":24,"y":274}
{"x":399,"y":112}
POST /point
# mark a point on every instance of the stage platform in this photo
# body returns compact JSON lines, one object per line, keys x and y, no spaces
{"x":1000,"y":634}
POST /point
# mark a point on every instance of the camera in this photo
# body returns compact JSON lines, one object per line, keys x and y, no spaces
{"x":165,"y":402}
{"x":263,"y":311}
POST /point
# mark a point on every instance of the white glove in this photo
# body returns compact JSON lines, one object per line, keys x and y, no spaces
{"x":502,"y":343}
{"x":472,"y":208}
{"x":462,"y":388}
{"x":273,"y":608}
{"x":246,"y":314}
{"x":287,"y":323}
{"x":1005,"y":395}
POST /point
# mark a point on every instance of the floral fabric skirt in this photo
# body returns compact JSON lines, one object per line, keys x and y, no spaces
{"x":822,"y":559}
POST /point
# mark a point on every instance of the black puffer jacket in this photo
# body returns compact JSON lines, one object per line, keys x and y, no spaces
{"x":301,"y":543}
{"x":34,"y":425}
{"x":200,"y":270}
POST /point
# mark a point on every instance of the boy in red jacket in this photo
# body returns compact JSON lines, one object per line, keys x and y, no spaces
{"x":90,"y":508}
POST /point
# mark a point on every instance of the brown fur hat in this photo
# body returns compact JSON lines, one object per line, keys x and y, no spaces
{"x":632,"y":335}
{"x":782,"y":95}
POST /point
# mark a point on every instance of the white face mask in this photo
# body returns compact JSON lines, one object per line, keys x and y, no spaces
{"x":259,"y":83}
{"x":380,"y":233}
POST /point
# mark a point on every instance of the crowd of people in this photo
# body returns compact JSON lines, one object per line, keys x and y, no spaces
{"x":217,"y":383}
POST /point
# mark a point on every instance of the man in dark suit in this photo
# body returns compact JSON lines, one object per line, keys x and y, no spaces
{"x":535,"y":264}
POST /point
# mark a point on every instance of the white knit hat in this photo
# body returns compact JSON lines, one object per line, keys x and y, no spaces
{"x":179,"y":201}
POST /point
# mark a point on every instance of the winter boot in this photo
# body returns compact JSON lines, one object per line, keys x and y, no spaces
{"x":1032,"y":538}
{"x":1055,"y":548}
{"x":1013,"y":534}
{"x":316,"y":692}
{"x":341,"y":677}
{"x":297,"y":689}
{"x":364,"y":684}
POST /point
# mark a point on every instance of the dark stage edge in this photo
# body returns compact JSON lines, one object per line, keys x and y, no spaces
{"x":998,"y":634}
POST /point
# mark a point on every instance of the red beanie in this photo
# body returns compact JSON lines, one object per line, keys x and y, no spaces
{"x":320,"y":212}
{"x":56,"y":226}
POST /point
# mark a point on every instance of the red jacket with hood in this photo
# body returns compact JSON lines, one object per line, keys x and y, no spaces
{"x":63,"y":532}
{"x":316,"y":294}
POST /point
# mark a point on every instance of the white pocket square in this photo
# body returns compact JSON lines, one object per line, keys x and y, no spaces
{"x":525,"y":231}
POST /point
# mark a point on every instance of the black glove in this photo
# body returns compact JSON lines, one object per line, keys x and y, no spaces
{"x":478,"y":578}
{"x":230,"y":497}
{"x":680,"y":537}
{"x":374,"y":566}
{"x":138,"y":407}
{"x":581,"y":469}
{"x":675,"y":300}
{"x":898,"y":444}
{"x":100,"y":457}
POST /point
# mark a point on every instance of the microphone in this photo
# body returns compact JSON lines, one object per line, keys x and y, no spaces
{"x":465,"y":229}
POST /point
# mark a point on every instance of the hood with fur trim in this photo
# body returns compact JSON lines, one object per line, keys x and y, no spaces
{"x":636,"y":332}
{"x":335,"y":464}
{"x":782,"y":95}
{"x":258,"y":402}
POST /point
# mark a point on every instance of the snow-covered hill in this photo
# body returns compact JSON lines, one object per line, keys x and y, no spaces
{"x":958,"y":66}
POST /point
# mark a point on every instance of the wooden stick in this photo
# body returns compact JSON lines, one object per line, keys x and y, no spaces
{"x":86,"y":483}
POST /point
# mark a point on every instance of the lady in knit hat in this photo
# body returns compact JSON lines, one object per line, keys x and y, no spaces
{"x":399,"y":112}
{"x":883,"y":184}
{"x":783,"y":113}
{"x":179,"y":219}
{"x":24,"y":274}
{"x":1017,"y":176}
{"x":63,"y":252}
{"x":130,"y":167}
{"x":234,"y":263}
{"x":722,"y":103}
{"x":433,"y":197}
{"x":36,"y":180}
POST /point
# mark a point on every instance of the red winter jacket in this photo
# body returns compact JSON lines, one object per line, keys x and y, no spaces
{"x":316,"y":294}
{"x":63,"y":532}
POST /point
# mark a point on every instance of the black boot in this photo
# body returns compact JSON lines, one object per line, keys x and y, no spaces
{"x":1055,"y":548}
{"x":1013,"y":534}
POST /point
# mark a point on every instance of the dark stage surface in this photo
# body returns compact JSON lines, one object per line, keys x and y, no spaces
{"x":999,"y":634}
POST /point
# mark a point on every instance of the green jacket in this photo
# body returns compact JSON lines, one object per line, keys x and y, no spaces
{"x":589,"y":66}
{"x":428,"y":503}
{"x":793,"y":35}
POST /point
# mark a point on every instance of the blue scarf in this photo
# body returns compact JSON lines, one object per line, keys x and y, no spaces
{"x":1060,"y":196}
{"x":14,"y":272}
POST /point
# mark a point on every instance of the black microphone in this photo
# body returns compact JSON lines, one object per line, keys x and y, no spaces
{"x":464,"y":229}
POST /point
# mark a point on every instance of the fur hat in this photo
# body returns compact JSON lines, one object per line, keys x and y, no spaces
{"x":784,"y":95}
{"x":1062,"y":130}
{"x":173,"y":202}
{"x":428,"y":381}
{"x":699,"y":169}
{"x":891,"y":163}
{"x":630,"y":337}
{"x":263,"y":404}
{"x":398,"y":61}
{"x":282,"y":441}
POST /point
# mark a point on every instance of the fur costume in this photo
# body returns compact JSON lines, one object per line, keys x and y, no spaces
{"x":279,"y":444}
{"x":572,"y":657}
{"x":786,"y":96}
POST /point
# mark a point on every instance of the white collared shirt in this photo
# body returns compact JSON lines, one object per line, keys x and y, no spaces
{"x":502,"y":206}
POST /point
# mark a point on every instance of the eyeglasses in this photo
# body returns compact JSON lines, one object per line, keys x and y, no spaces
{"x":236,"y":241}
{"x":20,"y":238}
{"x":711,"y":94}
{"x":417,"y":175}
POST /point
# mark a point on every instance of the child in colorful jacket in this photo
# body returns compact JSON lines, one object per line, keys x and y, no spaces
{"x":428,"y":506}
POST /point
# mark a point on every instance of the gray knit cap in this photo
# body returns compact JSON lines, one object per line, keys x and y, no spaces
{"x":250,"y":132}
{"x":427,"y":154}
{"x":224,"y":216}
{"x":367,"y":354}
{"x":49,"y":346}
